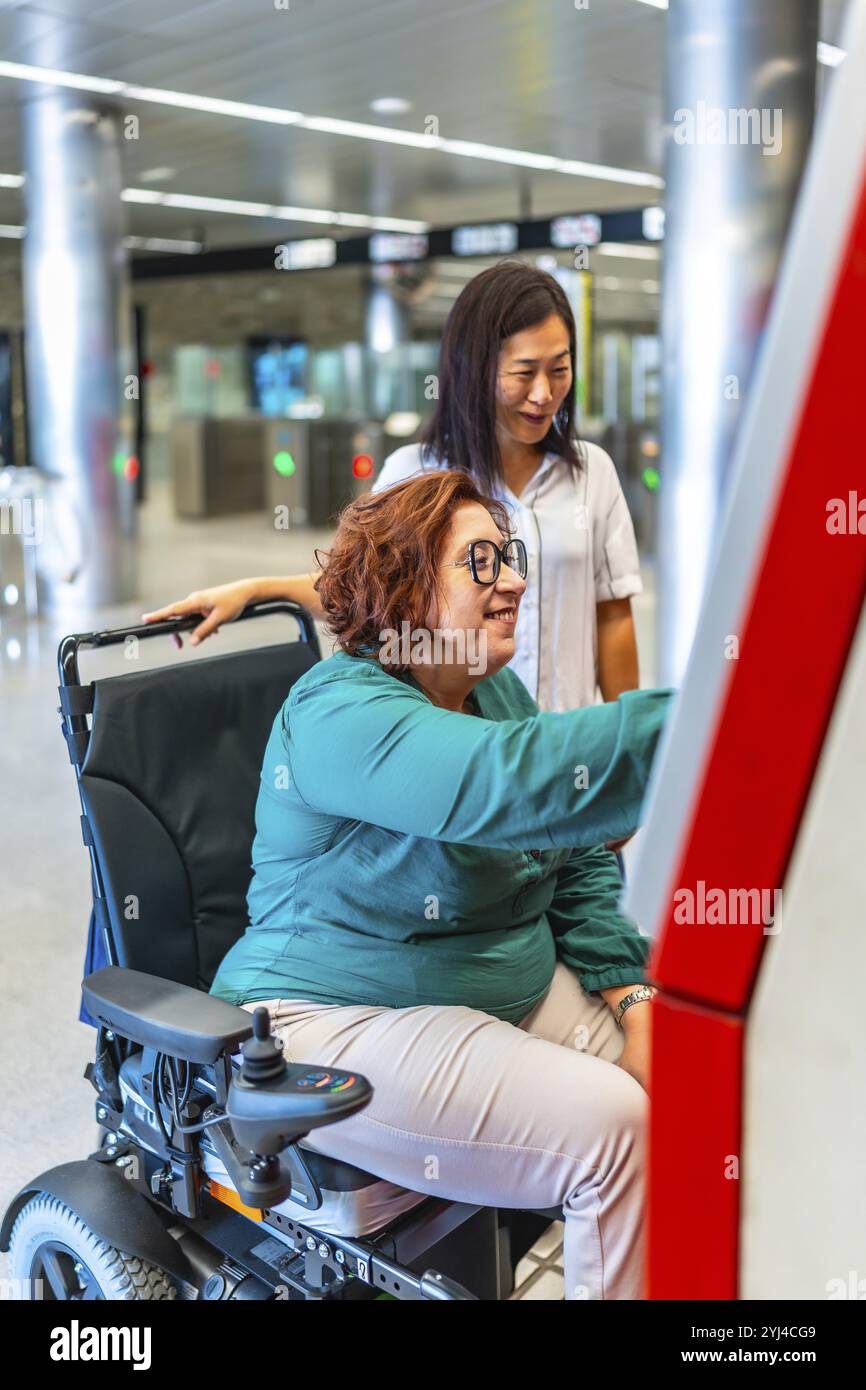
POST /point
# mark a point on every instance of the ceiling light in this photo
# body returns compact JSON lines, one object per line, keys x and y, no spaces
{"x":55,"y":77}
{"x":279,"y":213}
{"x":156,"y":197}
{"x":391,"y":106}
{"x":622,"y":248}
{"x":331,"y":125}
{"x":159,"y":175}
{"x":216,"y":106}
{"x":830,"y":55}
{"x":132,"y":243}
{"x":273,"y":115}
{"x":161,"y":243}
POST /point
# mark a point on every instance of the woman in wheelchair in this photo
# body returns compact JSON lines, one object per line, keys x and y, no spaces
{"x":432,"y":904}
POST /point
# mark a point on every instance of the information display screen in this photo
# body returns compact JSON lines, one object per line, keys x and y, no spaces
{"x":278,"y":369}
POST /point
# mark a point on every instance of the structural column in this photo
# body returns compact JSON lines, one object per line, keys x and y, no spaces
{"x":78,"y":349}
{"x":386,"y":331}
{"x":740,"y":97}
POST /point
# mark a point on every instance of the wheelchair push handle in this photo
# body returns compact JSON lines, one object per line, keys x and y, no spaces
{"x":70,"y":646}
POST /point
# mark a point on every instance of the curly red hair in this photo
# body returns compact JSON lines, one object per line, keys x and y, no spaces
{"x":382,"y":569}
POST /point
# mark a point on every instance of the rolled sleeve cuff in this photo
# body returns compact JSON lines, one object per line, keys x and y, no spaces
{"x":594,"y":980}
{"x":618,"y":586}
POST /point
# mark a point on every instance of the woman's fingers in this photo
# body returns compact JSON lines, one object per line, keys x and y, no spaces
{"x":210,"y":625}
{"x":217,"y":605}
{"x":191,"y":604}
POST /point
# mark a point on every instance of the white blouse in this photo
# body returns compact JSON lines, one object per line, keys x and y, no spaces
{"x":581,"y":550}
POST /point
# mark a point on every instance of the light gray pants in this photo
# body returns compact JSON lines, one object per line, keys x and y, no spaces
{"x":472,"y":1109}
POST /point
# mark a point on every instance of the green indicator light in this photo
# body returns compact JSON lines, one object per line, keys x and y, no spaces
{"x":651,"y":479}
{"x":284,"y":463}
{"x":118,"y":462}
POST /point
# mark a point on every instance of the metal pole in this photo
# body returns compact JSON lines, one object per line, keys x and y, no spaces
{"x":78,"y":345}
{"x":386,"y":329}
{"x":740,"y":104}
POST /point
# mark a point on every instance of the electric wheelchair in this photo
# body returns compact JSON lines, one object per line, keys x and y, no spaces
{"x":201,"y":1186}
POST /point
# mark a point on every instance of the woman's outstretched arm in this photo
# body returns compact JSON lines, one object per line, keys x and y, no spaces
{"x":363,"y":746}
{"x":223,"y":603}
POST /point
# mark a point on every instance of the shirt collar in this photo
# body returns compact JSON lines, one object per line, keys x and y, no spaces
{"x":532,"y":486}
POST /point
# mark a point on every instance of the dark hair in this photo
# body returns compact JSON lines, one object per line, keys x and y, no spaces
{"x":382,"y":568}
{"x":501,"y":301}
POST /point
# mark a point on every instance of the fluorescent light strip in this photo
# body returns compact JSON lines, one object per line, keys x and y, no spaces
{"x":828,"y":53}
{"x":244,"y":110}
{"x":622,"y":248}
{"x":272,"y":115}
{"x":56,"y":77}
{"x":158,"y":198}
{"x":161,"y":243}
{"x":132,"y":243}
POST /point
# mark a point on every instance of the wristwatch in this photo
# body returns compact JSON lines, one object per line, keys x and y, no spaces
{"x":636,"y":997}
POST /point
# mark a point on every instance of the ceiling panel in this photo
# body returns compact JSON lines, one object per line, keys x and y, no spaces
{"x":537,"y":75}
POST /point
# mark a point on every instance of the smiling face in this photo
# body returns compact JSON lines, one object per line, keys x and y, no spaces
{"x":534,"y":375}
{"x":490,"y":610}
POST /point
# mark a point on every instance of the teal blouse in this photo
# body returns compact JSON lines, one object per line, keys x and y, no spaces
{"x":405,"y":854}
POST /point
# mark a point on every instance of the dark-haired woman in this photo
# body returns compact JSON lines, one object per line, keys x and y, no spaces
{"x":505,"y":416}
{"x":431,"y":902}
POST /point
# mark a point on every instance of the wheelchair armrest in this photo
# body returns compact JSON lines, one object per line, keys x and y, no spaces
{"x":172,"y":1018}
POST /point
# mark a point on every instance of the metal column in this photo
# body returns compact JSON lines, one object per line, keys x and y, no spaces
{"x":386,"y":330}
{"x":739,"y":105}
{"x":78,"y":344}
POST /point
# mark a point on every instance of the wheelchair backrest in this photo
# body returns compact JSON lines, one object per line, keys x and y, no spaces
{"x":168,"y":783}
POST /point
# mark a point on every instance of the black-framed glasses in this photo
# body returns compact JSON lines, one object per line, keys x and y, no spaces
{"x":485,"y":559}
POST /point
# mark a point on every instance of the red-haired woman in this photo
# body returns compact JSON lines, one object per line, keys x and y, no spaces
{"x":432,"y":903}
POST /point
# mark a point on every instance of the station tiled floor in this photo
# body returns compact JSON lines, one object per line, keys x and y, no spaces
{"x":47,"y":1113}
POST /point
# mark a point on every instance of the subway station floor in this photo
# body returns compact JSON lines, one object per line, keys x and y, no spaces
{"x":48,"y":1114}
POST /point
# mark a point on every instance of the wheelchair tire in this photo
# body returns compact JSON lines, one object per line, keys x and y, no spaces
{"x":49,"y":1243}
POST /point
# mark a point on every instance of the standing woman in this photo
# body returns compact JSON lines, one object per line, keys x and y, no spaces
{"x":505,"y":415}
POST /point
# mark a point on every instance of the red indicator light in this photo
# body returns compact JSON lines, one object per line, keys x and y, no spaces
{"x":132,"y":468}
{"x":362,"y":465}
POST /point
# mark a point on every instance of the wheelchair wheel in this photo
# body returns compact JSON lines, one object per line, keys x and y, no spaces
{"x":53,"y":1255}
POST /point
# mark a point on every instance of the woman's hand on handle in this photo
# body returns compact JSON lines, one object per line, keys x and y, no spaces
{"x":226,"y":601}
{"x":219,"y":605}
